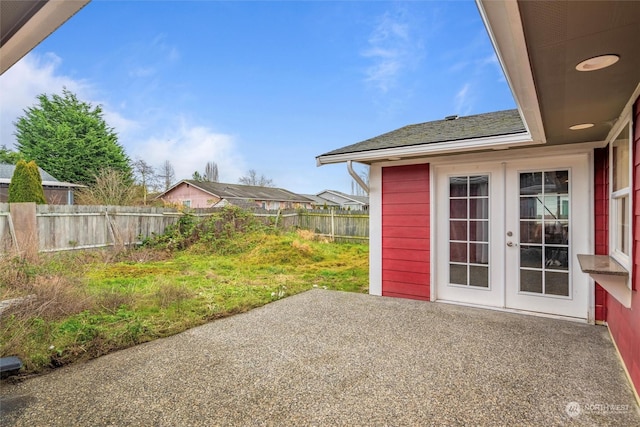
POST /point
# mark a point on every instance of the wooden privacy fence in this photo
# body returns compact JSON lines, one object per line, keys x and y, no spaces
{"x":337,"y":225}
{"x":66,"y":227}
{"x":63,"y":227}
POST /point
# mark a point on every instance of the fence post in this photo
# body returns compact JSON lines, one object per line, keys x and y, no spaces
{"x":277,"y":217}
{"x":332,"y":226}
{"x":25,"y":227}
{"x":110,"y":227}
{"x":12,"y":232}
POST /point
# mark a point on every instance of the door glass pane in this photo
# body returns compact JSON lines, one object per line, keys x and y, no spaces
{"x":458,"y":274}
{"x":479,"y":208}
{"x":544,"y":232}
{"x":458,"y":208}
{"x":458,"y":252}
{"x":556,"y":283}
{"x":556,"y":232}
{"x":458,"y":230}
{"x":531,"y":281}
{"x":469,"y":230}
{"x":479,"y":253}
{"x":530,"y":183}
{"x":458,"y":186}
{"x":556,"y":257}
{"x":530,"y":208}
{"x":479,"y":231}
{"x":479,"y":185}
{"x":479,"y":276}
{"x":557,"y":182}
{"x":531,"y":256}
{"x":530,"y":232}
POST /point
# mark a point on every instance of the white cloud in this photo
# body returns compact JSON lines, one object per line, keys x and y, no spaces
{"x":391,"y":51}
{"x":463,"y":103}
{"x":155,"y":139}
{"x":22,"y":83}
{"x":189,"y":148}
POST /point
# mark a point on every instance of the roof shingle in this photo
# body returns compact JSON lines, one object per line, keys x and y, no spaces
{"x":499,"y":123}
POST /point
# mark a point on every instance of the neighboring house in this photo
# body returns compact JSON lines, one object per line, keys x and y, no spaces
{"x":495,"y":209}
{"x":318,"y":202}
{"x":338,"y":200}
{"x":56,"y":192}
{"x":345,"y":201}
{"x":203,"y":194}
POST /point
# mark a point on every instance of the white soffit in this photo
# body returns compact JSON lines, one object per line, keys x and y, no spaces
{"x":38,"y":27}
{"x":503,"y":23}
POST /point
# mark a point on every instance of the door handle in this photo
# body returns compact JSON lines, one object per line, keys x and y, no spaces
{"x":510,"y":244}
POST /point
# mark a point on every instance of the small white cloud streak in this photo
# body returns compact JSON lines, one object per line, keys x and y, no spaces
{"x":462,"y":100}
{"x":390,"y":51}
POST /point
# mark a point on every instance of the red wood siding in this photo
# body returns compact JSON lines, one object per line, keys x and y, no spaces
{"x":405,"y":231}
{"x":624,"y":323}
{"x":601,"y":215}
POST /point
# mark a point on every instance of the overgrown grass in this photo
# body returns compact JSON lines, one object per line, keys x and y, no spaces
{"x":85,"y":304}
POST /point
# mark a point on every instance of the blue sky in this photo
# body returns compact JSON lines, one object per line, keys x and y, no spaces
{"x":262,"y":85}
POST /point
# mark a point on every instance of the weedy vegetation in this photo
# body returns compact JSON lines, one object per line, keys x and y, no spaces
{"x":79,"y":305}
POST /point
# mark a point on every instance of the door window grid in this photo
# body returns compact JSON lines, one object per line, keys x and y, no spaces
{"x":544,"y":233}
{"x":469,"y":231}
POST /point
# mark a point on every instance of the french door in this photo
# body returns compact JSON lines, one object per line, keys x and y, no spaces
{"x":508,"y":233}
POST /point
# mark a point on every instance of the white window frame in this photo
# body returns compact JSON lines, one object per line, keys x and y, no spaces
{"x":626,"y":125}
{"x":186,"y":203}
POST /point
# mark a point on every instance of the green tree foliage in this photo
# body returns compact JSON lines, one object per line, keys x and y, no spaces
{"x":26,"y":184}
{"x":70,"y":139}
{"x":9,"y":156}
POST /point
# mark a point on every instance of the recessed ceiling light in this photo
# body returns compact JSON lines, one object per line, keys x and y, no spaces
{"x":581,"y":126}
{"x":597,"y":62}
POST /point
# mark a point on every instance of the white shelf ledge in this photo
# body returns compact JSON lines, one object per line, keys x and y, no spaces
{"x":609,"y":274}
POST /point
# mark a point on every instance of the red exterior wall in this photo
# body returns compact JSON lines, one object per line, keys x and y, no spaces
{"x":601,"y":215}
{"x":406,"y":232}
{"x":624,"y":323}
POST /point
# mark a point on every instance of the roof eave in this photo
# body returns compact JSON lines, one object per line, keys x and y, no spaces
{"x":371,"y":156}
{"x":45,"y":21}
{"x":504,"y":25}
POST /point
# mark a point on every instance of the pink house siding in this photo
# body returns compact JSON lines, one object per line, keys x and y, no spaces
{"x":406,"y":231}
{"x":197,"y":197}
{"x":624,"y":323}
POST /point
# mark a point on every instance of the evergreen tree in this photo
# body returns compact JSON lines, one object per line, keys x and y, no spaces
{"x":26,"y":184}
{"x":70,"y":139}
{"x":9,"y":156}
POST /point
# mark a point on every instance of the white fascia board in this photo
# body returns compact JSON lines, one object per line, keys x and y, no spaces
{"x":504,"y":25}
{"x":52,"y":15}
{"x":493,"y":142}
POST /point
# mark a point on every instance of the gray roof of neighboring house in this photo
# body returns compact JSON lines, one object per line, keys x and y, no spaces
{"x":470,"y":127}
{"x":238,"y":191}
{"x":317,"y":200}
{"x":6,"y":173}
{"x":364,"y":200}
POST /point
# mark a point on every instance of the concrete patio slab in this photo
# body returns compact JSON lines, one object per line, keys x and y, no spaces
{"x":333,"y":358}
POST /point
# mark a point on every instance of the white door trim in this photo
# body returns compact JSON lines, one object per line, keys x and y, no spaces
{"x":439,"y":221}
